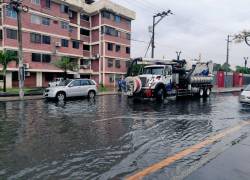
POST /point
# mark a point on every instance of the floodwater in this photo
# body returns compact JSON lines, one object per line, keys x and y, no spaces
{"x":111,"y":137}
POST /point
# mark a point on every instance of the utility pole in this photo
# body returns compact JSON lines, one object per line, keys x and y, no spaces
{"x":18,"y":8}
{"x":245,"y":58}
{"x":227,"y":56}
{"x":178,"y":55}
{"x":161,"y":15}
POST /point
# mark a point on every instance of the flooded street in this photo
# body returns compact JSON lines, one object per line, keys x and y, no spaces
{"x":111,"y":137}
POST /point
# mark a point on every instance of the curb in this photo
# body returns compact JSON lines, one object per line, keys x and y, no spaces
{"x":40,"y":96}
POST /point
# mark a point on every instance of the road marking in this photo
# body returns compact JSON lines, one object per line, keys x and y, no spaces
{"x":169,"y":160}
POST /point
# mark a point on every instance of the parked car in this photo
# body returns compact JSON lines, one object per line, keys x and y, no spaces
{"x":55,"y":82}
{"x":245,"y":95}
{"x":72,"y":88}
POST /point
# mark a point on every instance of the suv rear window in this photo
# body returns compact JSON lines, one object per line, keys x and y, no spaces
{"x":91,"y":82}
{"x":84,"y":82}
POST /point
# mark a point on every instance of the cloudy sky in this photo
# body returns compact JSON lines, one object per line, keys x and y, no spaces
{"x":197,"y":27}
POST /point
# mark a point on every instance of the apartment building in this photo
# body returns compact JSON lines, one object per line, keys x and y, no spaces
{"x":95,"y":34}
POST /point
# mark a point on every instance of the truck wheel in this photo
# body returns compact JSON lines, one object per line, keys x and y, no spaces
{"x":208,"y":92}
{"x":201,"y":92}
{"x":160,"y":95}
{"x":61,"y":96}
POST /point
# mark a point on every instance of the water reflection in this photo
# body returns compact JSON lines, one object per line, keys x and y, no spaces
{"x":107,"y":138}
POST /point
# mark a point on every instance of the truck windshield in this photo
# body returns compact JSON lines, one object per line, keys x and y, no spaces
{"x":64,"y":82}
{"x":153,"y":70}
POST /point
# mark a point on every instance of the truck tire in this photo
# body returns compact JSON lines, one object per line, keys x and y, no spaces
{"x":207,"y":93}
{"x":201,"y":92}
{"x":160,"y":94}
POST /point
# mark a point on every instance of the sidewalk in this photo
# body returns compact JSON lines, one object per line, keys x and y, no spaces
{"x":232,"y":164}
{"x":37,"y":97}
{"x":227,"y":90}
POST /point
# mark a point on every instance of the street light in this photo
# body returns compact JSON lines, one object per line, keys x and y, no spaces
{"x":245,"y":58}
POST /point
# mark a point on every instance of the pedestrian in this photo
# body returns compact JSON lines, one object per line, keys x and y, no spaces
{"x":120,"y":85}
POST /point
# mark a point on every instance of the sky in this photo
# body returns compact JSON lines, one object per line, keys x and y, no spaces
{"x":198,"y":27}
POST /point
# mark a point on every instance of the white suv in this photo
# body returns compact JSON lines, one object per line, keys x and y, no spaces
{"x":72,"y":88}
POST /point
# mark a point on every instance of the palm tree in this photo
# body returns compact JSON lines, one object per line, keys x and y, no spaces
{"x":66,"y":64}
{"x":5,"y":58}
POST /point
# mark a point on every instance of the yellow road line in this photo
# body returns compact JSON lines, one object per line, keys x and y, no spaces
{"x":169,"y":160}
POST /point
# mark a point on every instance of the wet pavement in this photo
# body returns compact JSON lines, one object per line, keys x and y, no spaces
{"x":112,"y":137}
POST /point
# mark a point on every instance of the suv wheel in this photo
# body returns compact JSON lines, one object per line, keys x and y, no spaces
{"x":61,"y":96}
{"x":91,"y":94}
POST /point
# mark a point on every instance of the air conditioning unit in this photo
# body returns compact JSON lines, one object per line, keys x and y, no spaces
{"x":26,"y":65}
{"x":27,"y":74}
{"x":58,"y":44}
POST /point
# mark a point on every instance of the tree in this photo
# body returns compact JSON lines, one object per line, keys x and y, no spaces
{"x":226,"y":67}
{"x":5,"y":58}
{"x":242,"y":37}
{"x":66,"y":64}
{"x":217,"y":67}
{"x":243,"y":70}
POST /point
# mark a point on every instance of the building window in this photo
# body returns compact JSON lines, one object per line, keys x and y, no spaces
{"x":47,"y":3}
{"x":11,"y":33}
{"x":128,"y":36}
{"x":71,"y":29}
{"x":117,"y":19}
{"x":110,"y":46}
{"x":84,"y":17}
{"x":128,"y":22}
{"x":110,"y":31}
{"x":37,"y":2}
{"x":86,"y":47}
{"x":45,"y":21}
{"x":35,"y":38}
{"x":1,"y":34}
{"x":35,"y":19}
{"x":84,"y":32}
{"x":117,"y":48}
{"x":127,"y":64}
{"x":10,"y":12}
{"x":110,"y":63}
{"x":46,"y":58}
{"x":75,"y":44}
{"x":128,"y":50}
{"x":64,"y":25}
{"x":36,"y":57}
{"x":106,"y":14}
{"x":111,"y":78}
{"x":65,"y":42}
{"x":64,"y":8}
{"x":117,"y":63}
{"x":46,"y":39}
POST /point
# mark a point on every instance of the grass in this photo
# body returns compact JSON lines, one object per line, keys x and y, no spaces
{"x":102,"y":89}
{"x":26,"y":90}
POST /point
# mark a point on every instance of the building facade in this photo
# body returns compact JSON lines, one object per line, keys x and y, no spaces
{"x":94,"y":34}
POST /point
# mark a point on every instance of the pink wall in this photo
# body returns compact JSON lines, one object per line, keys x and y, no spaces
{"x":85,"y":23}
{"x":95,"y":35}
{"x":95,"y":20}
